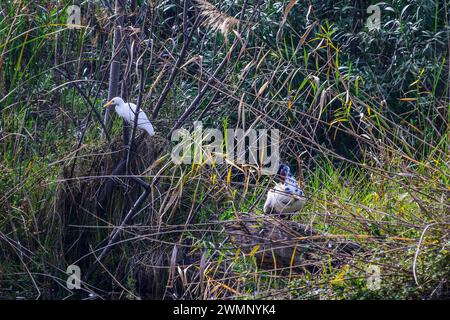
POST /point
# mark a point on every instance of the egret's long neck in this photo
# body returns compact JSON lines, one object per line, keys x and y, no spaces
{"x":119,"y":108}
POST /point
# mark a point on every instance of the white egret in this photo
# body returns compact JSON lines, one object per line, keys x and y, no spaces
{"x":285,"y":197}
{"x":127,"y":111}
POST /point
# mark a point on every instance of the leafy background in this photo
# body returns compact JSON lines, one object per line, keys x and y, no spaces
{"x":363,"y":118}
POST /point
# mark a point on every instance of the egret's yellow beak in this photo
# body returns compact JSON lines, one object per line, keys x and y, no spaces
{"x":108,"y":104}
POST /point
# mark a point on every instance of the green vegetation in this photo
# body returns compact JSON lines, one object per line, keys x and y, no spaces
{"x":363,"y":117}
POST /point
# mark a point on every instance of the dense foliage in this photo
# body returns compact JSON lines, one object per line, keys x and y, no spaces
{"x":363,"y":116}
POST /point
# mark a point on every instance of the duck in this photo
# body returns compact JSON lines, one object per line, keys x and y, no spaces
{"x":127,"y":111}
{"x":286,"y":196}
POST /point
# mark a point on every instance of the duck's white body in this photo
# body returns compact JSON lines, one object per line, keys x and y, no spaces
{"x":127,"y":111}
{"x":279,"y":201}
{"x":285,"y":197}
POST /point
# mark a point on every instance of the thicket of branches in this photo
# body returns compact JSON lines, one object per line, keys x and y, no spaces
{"x":363,"y":118}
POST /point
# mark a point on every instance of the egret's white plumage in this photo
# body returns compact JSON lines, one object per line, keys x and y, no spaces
{"x":127,"y":111}
{"x":286,"y":197}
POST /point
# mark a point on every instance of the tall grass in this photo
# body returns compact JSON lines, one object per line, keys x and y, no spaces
{"x":369,"y":137}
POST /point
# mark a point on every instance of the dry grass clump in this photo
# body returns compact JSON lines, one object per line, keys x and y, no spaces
{"x":287,"y":246}
{"x":89,"y":204}
{"x":216,"y":19}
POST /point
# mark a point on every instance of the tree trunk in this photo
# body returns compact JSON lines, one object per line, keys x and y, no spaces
{"x":114,"y":72}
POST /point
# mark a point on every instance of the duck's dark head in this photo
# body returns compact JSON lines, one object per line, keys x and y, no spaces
{"x":283,"y":171}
